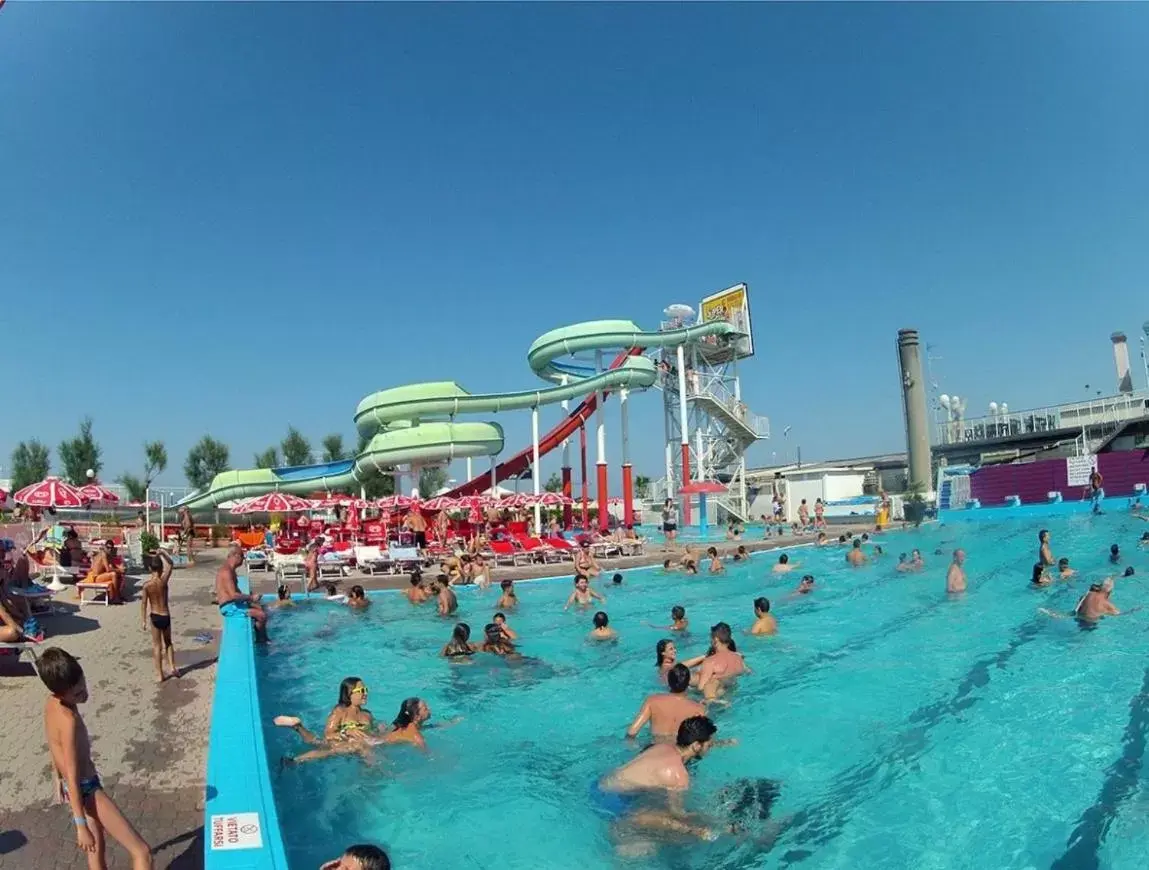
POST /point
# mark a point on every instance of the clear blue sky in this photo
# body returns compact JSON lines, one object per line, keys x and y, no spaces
{"x":231,"y":218}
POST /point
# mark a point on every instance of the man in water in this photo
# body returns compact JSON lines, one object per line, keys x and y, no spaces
{"x":448,"y":601}
{"x":154,"y":608}
{"x":721,"y":663}
{"x":1044,"y":551}
{"x":855,"y":556}
{"x":1063,"y":569}
{"x":784,"y":565}
{"x":1095,"y":603}
{"x":764,"y":622}
{"x":232,"y":602}
{"x":805,"y":586}
{"x":659,"y":774}
{"x":1114,"y":554}
{"x":602,"y":629}
{"x":665,"y":712}
{"x":955,"y":576}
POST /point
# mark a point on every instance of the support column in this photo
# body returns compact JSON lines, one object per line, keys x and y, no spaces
{"x":566,"y":471}
{"x":683,"y":425}
{"x":535,"y":466}
{"x":494,"y":477}
{"x":669,"y":470}
{"x":600,"y":452}
{"x":148,"y":510}
{"x":627,"y":472}
{"x":582,"y":478}
{"x":470,"y":472}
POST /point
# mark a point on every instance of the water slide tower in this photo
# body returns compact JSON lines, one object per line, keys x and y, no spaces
{"x":708,"y":426}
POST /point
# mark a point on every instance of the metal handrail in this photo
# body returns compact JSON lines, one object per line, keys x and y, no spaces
{"x":1103,"y":410}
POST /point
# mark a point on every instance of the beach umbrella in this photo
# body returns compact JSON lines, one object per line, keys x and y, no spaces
{"x":149,"y":505}
{"x":335,"y":499}
{"x":3,"y":496}
{"x":50,"y":492}
{"x":554,"y":499}
{"x":395,"y":502}
{"x":98,"y":494}
{"x":273,"y":503}
{"x":439,"y":503}
{"x":353,"y":523}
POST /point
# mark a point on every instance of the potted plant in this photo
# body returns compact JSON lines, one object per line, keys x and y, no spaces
{"x":914,"y":507}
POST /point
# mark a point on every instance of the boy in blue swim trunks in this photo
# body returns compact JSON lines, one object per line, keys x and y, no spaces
{"x":660,"y":770}
{"x":77,"y":783}
{"x":232,"y":602}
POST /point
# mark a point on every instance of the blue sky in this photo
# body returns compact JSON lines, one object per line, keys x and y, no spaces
{"x":231,"y":218}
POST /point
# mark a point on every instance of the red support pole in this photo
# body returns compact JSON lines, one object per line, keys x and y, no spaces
{"x":567,"y":508}
{"x":627,"y":496}
{"x":685,"y":481}
{"x":603,"y":515}
{"x":582,"y":454}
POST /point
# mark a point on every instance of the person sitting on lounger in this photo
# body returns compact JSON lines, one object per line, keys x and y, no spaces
{"x":105,"y":573}
{"x":10,"y":630}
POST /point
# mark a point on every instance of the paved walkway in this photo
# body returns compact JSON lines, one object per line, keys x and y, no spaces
{"x":149,"y":740}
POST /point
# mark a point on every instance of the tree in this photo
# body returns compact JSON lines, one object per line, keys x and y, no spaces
{"x":80,"y":454}
{"x":641,"y":485}
{"x":269,"y":458}
{"x":431,"y":480}
{"x":205,"y":460}
{"x":155,"y":463}
{"x":375,"y":483}
{"x":296,"y":449}
{"x":31,"y":462}
{"x":554,"y":484}
{"x":333,"y":449}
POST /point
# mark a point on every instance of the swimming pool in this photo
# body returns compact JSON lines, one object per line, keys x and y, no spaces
{"x":904,"y":730}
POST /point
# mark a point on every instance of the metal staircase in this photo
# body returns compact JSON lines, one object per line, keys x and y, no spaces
{"x":721,"y":428}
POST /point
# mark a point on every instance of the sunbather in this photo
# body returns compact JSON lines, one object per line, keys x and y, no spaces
{"x":105,"y":573}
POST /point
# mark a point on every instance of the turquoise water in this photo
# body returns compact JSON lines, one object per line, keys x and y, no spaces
{"x":905,"y":730}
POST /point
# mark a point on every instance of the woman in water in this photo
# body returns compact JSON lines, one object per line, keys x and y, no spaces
{"x":715,"y":563}
{"x":460,"y":646}
{"x":496,"y":641}
{"x":666,"y":655}
{"x":358,"y":598}
{"x":405,"y":728}
{"x":283,"y":596}
{"x":347,"y":729}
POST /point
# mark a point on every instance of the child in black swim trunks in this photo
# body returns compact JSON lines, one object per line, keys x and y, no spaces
{"x":154,"y":609}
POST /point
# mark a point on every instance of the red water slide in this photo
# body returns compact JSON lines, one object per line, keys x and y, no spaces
{"x":521,"y":461}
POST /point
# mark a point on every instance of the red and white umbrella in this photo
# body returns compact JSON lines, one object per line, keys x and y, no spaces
{"x":337,"y":499}
{"x":3,"y":496}
{"x":99,"y":494}
{"x":395,"y":502}
{"x":440,"y":503}
{"x":273,"y":503}
{"x":554,"y":499}
{"x":150,"y":505}
{"x":518,"y":500}
{"x":50,"y":492}
{"x":353,"y":522}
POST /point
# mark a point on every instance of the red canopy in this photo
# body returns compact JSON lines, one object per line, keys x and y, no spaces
{"x":273,"y":503}
{"x":50,"y":492}
{"x":95,"y":492}
{"x":702,"y":487}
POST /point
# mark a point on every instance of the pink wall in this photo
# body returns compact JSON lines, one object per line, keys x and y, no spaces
{"x":1033,"y":480}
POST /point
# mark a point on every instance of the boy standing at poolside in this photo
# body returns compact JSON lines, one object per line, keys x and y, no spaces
{"x":78,"y":784}
{"x":154,"y":598}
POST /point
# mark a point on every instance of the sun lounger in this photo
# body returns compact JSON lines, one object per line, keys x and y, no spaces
{"x":561,"y":547}
{"x":257,"y":560}
{"x":101,"y":593}
{"x":536,"y":548}
{"x":404,"y":558}
{"x":504,"y":553}
{"x":372,"y":560}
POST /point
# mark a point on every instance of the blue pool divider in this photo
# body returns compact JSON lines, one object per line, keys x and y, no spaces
{"x":241,"y":826}
{"x":1115,"y":505}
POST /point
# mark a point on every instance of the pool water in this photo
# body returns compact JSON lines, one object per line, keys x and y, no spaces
{"x":904,"y":730}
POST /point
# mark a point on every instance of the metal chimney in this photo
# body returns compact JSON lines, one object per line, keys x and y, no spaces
{"x":1121,"y":359}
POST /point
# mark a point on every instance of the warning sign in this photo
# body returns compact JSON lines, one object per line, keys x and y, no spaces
{"x":1079,"y":468}
{"x":236,"y":831}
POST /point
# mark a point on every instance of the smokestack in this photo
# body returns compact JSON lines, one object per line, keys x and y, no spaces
{"x":1121,"y":359}
{"x":914,"y":406}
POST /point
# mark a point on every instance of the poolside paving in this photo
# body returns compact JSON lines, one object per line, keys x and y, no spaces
{"x":149,"y":740}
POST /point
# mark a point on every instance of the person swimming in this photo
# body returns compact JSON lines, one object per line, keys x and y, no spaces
{"x":602,"y":629}
{"x":741,"y":553}
{"x":407,"y":726}
{"x":357,"y":599}
{"x":583,"y":595}
{"x":496,"y":642}
{"x":716,"y":566}
{"x":347,"y":730}
{"x":1114,"y":554}
{"x":855,"y":557}
{"x":459,"y":646}
{"x":616,"y":579}
{"x":784,"y":566}
{"x":666,"y":657}
{"x":1063,"y":569}
{"x":1040,"y":576}
{"x":283,"y":596}
{"x":764,"y":622}
{"x":508,"y":600}
{"x":665,"y":712}
{"x":501,"y":621}
{"x":805,"y":585}
{"x":720,"y":664}
{"x":415,"y":593}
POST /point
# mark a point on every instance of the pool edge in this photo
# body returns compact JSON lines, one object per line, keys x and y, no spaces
{"x":238,"y":779}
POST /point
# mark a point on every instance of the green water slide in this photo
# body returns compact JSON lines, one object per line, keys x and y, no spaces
{"x":416,"y":424}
